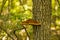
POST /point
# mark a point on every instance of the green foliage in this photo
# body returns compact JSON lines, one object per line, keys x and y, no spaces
{"x":56,"y":18}
{"x":13,"y":12}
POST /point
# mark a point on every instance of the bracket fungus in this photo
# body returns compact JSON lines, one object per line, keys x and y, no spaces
{"x":30,"y":22}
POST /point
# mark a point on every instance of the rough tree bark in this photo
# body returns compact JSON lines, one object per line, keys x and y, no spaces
{"x":42,"y":13}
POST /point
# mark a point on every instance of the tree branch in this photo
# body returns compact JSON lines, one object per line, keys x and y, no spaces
{"x":3,"y":3}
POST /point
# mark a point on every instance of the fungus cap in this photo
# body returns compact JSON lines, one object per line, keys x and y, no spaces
{"x":30,"y":22}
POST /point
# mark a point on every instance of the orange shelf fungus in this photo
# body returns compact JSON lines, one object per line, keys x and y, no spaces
{"x":30,"y":22}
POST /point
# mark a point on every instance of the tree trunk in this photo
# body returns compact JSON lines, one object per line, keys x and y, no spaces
{"x":42,"y":13}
